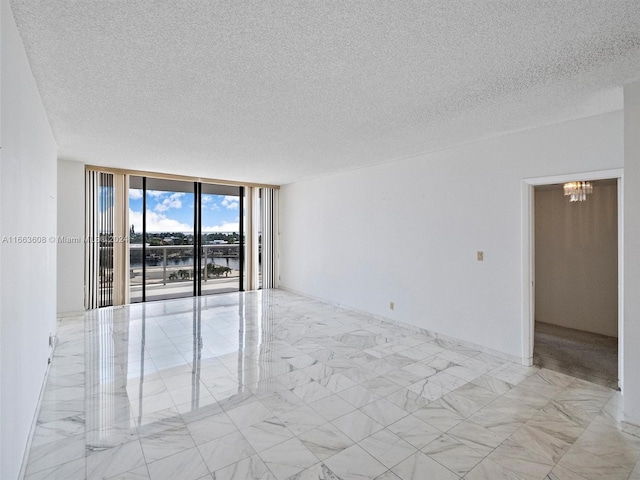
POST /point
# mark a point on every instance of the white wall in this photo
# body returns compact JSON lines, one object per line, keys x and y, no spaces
{"x":631,"y":337}
{"x":28,"y":273}
{"x":70,"y":227}
{"x":408,"y":231}
{"x":576,"y":259}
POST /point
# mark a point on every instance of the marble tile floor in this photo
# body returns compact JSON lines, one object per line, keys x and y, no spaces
{"x":584,"y":355}
{"x":270,"y":385}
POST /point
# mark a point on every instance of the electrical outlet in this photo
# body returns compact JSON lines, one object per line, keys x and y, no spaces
{"x":392,"y":305}
{"x":480,"y":256}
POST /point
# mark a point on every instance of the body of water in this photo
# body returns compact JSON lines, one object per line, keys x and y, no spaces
{"x":232,"y":263}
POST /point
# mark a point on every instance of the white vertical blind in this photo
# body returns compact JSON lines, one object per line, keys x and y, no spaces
{"x":269,"y":233}
{"x":106,"y":242}
{"x":121,"y":240}
{"x":99,"y":239}
{"x":92,"y":251}
{"x":252,"y":221}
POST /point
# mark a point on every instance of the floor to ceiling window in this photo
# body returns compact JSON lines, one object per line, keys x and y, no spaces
{"x":185,"y":238}
{"x":161,"y":237}
{"x":222,"y":239}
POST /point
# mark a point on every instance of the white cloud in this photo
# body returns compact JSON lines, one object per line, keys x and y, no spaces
{"x":156,"y":193}
{"x":209,"y":201}
{"x":135,"y":194}
{"x":226,"y":227}
{"x":173,"y":201}
{"x":232,"y":203}
{"x":157,"y":222}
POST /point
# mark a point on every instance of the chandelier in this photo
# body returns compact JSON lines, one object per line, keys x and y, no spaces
{"x":577,"y":191}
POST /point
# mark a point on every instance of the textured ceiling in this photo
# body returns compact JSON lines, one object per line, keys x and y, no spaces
{"x":278,"y":91}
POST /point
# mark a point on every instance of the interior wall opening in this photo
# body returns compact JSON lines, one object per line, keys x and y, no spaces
{"x":576,"y":281}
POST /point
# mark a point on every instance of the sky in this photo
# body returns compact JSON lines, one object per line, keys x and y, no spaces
{"x":173,"y":212}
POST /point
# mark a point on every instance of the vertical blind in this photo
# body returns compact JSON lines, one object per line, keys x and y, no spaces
{"x":269,"y":220}
{"x":121,"y":240}
{"x":261,"y":220}
{"x":106,"y":242}
{"x":99,"y":239}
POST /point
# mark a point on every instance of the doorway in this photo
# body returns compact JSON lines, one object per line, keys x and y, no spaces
{"x":576,"y":281}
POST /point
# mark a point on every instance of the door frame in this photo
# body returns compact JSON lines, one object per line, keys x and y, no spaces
{"x":528,"y":257}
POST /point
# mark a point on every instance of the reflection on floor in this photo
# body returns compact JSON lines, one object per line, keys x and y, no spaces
{"x":583,"y":355}
{"x":270,"y":385}
{"x":182,"y":289}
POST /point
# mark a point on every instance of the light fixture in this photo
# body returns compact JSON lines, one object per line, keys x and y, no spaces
{"x":577,"y":191}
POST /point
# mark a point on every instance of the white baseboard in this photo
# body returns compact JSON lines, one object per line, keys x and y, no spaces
{"x":34,"y":421}
{"x":415,"y":328}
